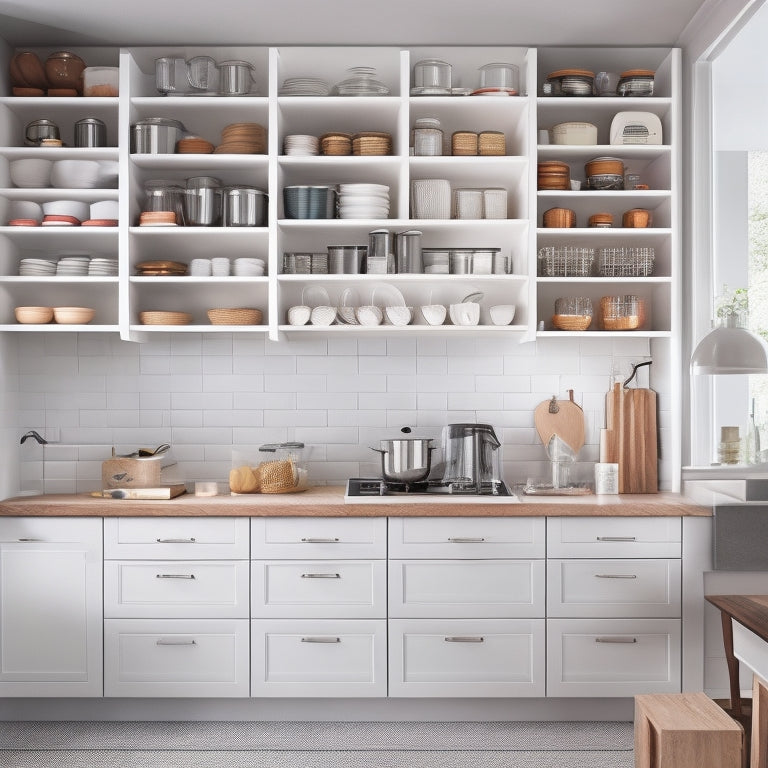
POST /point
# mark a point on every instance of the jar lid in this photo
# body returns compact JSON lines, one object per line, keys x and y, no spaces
{"x":165,"y":121}
{"x":65,"y":55}
{"x":638,"y":73}
{"x":90,"y":121}
{"x":570,"y":73}
{"x":427,"y":122}
{"x":41,"y":122}
{"x":432,"y":63}
{"x":238,"y":189}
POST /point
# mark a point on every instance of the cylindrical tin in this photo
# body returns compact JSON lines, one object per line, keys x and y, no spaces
{"x":157,"y":135}
{"x":346,"y":259}
{"x":37,"y":130}
{"x":244,"y":207}
{"x":461,"y":262}
{"x":202,"y":206}
{"x":90,"y":132}
{"x":408,"y":252}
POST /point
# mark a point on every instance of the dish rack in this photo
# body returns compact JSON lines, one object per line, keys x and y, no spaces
{"x":565,"y":261}
{"x":626,"y":262}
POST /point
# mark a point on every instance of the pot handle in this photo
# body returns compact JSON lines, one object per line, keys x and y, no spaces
{"x":378,"y":450}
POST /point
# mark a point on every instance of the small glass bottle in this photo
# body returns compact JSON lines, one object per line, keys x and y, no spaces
{"x":427,"y":137}
{"x":729,"y":450}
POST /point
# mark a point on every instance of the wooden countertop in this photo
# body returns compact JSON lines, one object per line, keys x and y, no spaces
{"x":328,"y":501}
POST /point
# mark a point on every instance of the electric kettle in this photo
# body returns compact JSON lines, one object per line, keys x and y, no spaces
{"x":472,"y":454}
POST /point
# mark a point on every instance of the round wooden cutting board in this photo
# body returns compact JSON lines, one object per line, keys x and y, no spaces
{"x":563,"y":418}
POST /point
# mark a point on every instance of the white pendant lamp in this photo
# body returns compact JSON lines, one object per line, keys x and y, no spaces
{"x":730,"y":349}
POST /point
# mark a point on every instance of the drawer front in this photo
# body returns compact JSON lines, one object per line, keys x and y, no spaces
{"x":470,"y":657}
{"x":176,"y":589}
{"x":176,"y":657}
{"x":466,"y":588}
{"x":612,"y":657}
{"x":171,"y":538}
{"x":466,"y":537}
{"x":320,"y":589}
{"x":53,"y":530}
{"x":614,"y":536}
{"x":613,"y":588}
{"x":315,"y":657}
{"x":306,"y":538}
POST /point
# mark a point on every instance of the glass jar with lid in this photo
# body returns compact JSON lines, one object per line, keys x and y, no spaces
{"x":427,"y":137}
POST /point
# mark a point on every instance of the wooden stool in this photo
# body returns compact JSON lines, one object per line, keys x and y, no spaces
{"x":685,"y":730}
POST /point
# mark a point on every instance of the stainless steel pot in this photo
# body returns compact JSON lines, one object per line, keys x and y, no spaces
{"x":405,"y":460}
{"x":157,"y":135}
{"x":37,"y":130}
{"x":244,"y":207}
{"x":90,"y":132}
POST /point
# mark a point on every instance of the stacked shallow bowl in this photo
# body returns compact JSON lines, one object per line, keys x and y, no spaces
{"x":363,"y":201}
{"x":243,"y":139}
{"x":301,"y":145}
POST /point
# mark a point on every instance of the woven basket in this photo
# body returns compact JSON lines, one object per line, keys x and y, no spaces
{"x":491,"y":143}
{"x":571,"y":322}
{"x":336,"y":144}
{"x":239,"y":316}
{"x":278,"y":476}
{"x":464,"y":143}
{"x":165,"y":318}
{"x":559,"y":218}
{"x":372,"y":143}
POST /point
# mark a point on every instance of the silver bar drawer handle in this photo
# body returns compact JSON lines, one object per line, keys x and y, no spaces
{"x":615,"y":576}
{"x":176,"y":541}
{"x":174,"y":575}
{"x":29,"y":539}
{"x":320,"y":575}
{"x":464,"y":639}
{"x":615,"y":639}
{"x":169,"y":641}
{"x":617,"y":538}
{"x":311,"y":540}
{"x":320,"y":639}
{"x":466,"y":539}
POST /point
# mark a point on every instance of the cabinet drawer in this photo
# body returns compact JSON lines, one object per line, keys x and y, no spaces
{"x":612,"y":657}
{"x":304,"y":538}
{"x":471,"y":657}
{"x":466,"y":537}
{"x":614,"y":537}
{"x":175,"y":657}
{"x":52,"y":530}
{"x":466,"y":588}
{"x":320,"y":589}
{"x":176,"y":589}
{"x":318,"y":658}
{"x":613,"y":588}
{"x":171,"y":538}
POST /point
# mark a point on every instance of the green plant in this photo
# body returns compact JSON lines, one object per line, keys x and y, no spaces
{"x":732,"y":302}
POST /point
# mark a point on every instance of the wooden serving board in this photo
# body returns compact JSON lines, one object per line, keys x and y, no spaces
{"x":631,"y":438}
{"x":563,"y":418}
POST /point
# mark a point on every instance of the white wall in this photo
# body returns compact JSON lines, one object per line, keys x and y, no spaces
{"x":205,"y":394}
{"x":9,"y":429}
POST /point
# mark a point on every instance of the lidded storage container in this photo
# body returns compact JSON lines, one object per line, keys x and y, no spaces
{"x":572,"y":313}
{"x":431,"y":76}
{"x":569,"y":82}
{"x":272,"y":468}
{"x":636,"y":82}
{"x":427,"y":137}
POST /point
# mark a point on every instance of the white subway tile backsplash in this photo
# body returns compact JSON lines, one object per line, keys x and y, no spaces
{"x":122,"y":383}
{"x":154,"y":419}
{"x":186,"y":344}
{"x":435,"y":383}
{"x":433,"y":365}
{"x":473,"y":401}
{"x":242,"y":346}
{"x":232,"y":383}
{"x":426,"y":401}
{"x":477,"y":365}
{"x":250,"y":364}
{"x":73,"y":400}
{"x":401,"y":383}
{"x":387,"y":400}
{"x":338,"y":365}
{"x":298,"y":348}
{"x":162,"y":400}
{"x":431,"y":347}
{"x":401,"y":347}
{"x":294,"y":383}
{"x":356,"y":383}
{"x":123,"y":401}
{"x":502,"y":383}
{"x":435,"y":418}
{"x":401,"y":419}
{"x":339,"y":418}
{"x":338,"y":346}
{"x":217,"y":364}
{"x":376,"y":346}
{"x":154,"y":365}
{"x":293,"y":418}
{"x":217,"y":344}
{"x":201,"y":435}
{"x":236,"y":418}
{"x":386,"y":364}
{"x":186,"y":418}
{"x":159,"y":344}
{"x":263,"y":400}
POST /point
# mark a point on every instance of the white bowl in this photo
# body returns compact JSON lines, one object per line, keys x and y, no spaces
{"x":104,"y":209}
{"x":108,"y":174}
{"x":465,"y":313}
{"x":398,"y":315}
{"x":433,"y":314}
{"x":25,"y":209}
{"x":322,"y":315}
{"x":502,"y":314}
{"x":76,"y":208}
{"x":31,"y":172}
{"x":299,"y":315}
{"x":369,"y":315}
{"x":75,"y":174}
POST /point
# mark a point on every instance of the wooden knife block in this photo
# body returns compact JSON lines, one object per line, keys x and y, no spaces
{"x":631,"y":438}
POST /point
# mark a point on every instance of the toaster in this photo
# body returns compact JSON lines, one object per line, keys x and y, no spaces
{"x":635,"y":128}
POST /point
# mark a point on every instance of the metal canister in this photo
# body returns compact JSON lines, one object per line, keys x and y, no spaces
{"x":380,"y":251}
{"x":408,"y":252}
{"x":37,"y":130}
{"x":90,"y":132}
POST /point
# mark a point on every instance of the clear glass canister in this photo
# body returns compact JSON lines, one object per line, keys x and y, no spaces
{"x":427,"y":137}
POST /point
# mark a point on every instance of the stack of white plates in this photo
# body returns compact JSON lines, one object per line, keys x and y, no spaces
{"x":363,"y":201}
{"x":304,"y":86}
{"x":220,"y":266}
{"x":102,"y":267}
{"x":72,"y":266}
{"x":247,"y":267}
{"x":37,"y":267}
{"x":301,"y":145}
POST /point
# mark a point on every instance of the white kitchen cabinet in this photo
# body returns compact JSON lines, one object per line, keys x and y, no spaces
{"x":50,"y":607}
{"x":466,"y":657}
{"x":612,"y":657}
{"x":176,"y":657}
{"x":318,"y":657}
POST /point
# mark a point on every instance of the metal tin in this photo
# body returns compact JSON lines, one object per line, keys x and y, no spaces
{"x":37,"y":130}
{"x":244,"y":207}
{"x":408,"y":252}
{"x":157,"y":135}
{"x":236,"y":78}
{"x":90,"y":132}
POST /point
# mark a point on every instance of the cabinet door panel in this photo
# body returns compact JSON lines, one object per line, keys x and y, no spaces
{"x":617,"y":588}
{"x":470,"y":657}
{"x":466,"y":588}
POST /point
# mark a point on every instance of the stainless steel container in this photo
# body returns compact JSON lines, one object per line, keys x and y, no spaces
{"x":244,"y":207}
{"x":405,"y":460}
{"x":346,"y":259}
{"x":381,"y":251}
{"x":156,"y":135}
{"x":37,"y":130}
{"x":202,"y":206}
{"x":236,"y":78}
{"x":461,"y":262}
{"x":90,"y":132}
{"x":163,"y":195}
{"x":408,"y":252}
{"x":171,"y":75}
{"x":472,"y":457}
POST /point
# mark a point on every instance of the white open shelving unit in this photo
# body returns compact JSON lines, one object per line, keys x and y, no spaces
{"x":118,"y":301}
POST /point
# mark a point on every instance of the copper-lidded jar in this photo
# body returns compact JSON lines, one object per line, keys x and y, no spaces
{"x":65,"y":70}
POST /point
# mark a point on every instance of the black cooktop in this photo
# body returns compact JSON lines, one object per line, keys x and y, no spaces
{"x":361,"y":486}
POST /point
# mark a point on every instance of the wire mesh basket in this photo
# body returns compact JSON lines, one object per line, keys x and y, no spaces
{"x":626,"y":262}
{"x":565,"y":261}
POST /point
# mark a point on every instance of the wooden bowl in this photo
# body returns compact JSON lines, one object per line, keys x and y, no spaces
{"x":164,"y":318}
{"x":32,"y":315}
{"x":73,"y":315}
{"x":239,"y":316}
{"x":559,"y":218}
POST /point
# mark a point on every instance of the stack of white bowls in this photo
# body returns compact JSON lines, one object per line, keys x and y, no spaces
{"x":301,"y":145}
{"x":102,"y":267}
{"x":363,"y":201}
{"x":249,"y":267}
{"x":72,"y":266}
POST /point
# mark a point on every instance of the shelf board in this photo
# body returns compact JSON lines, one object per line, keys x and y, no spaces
{"x":605,"y":231}
{"x":339,"y":102}
{"x":103,"y":237}
{"x":472,"y":161}
{"x":606,"y":334}
{"x":385,"y":330}
{"x":415,"y":278}
{"x":606,"y":104}
{"x":200,"y":328}
{"x":54,"y":328}
{"x":340,"y":160}
{"x":208,"y":161}
{"x":612,"y":194}
{"x":195,"y":280}
{"x":53,"y":193}
{"x":61,"y":153}
{"x":192,"y":103}
{"x":59,"y":279}
{"x":588,"y":151}
{"x":208,"y":232}
{"x":409,"y":223}
{"x":609,"y":280}
{"x":49,"y":102}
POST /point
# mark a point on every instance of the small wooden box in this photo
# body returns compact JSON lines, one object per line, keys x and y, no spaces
{"x":124,"y":472}
{"x":685,"y":730}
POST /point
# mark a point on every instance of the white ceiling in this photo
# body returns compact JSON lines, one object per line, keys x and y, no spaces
{"x":353,"y":22}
